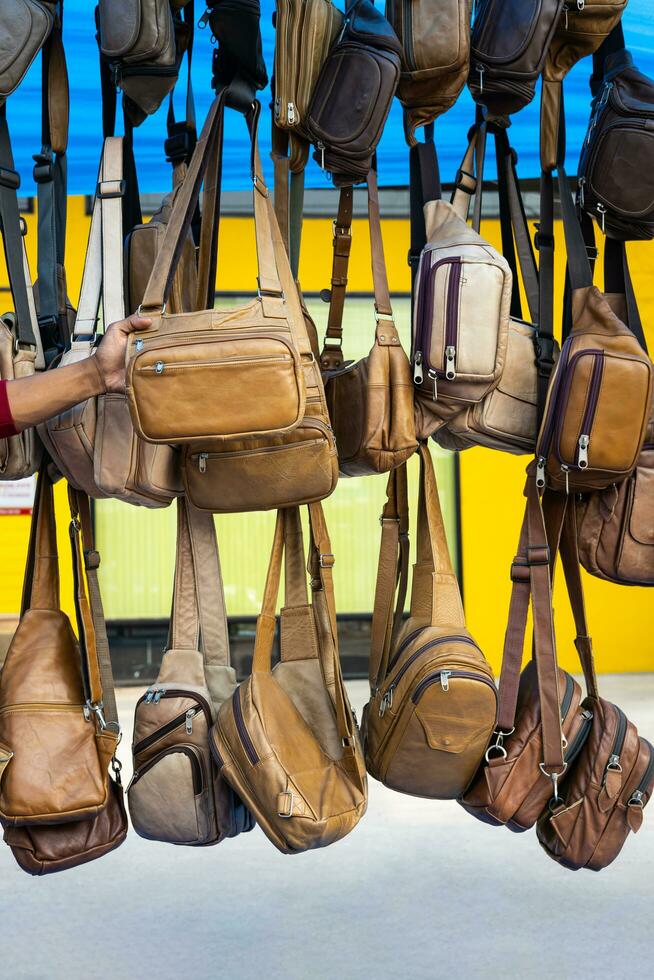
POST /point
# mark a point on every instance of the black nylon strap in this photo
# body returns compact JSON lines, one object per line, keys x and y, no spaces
{"x":617,"y":279}
{"x":424,"y":186}
{"x":609,"y":46}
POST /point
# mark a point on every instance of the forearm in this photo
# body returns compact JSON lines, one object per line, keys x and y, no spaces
{"x":37,"y":398}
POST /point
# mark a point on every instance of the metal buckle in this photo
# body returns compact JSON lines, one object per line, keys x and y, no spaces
{"x":554,"y":776}
{"x":291,"y":800}
{"x":324,"y":560}
{"x":154,"y":312}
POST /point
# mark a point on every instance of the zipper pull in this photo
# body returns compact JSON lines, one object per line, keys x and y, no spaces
{"x":204,"y":20}
{"x":189,"y":721}
{"x":343,"y":30}
{"x":321,"y":147}
{"x":582,"y":182}
{"x":565,"y":11}
{"x":566,"y":470}
{"x":580,"y":5}
{"x":445,"y":679}
{"x":613,"y":765}
{"x":158,"y":696}
{"x":582,"y":459}
{"x":417,"y":368}
{"x":432,"y":375}
{"x":86,"y":711}
{"x":278,"y":107}
{"x":601,"y":210}
{"x":386,"y":702}
{"x":450,"y":355}
{"x":480,"y":71}
{"x":636,"y":798}
{"x":290,"y":111}
{"x":159,"y":367}
{"x":540,"y":472}
{"x":202,"y":462}
{"x":149,"y":694}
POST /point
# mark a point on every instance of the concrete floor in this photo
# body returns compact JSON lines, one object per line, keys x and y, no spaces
{"x":419,"y":890}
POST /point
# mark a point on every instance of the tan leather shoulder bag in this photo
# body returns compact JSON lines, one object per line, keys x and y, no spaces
{"x":94,"y":444}
{"x":433,"y":700}
{"x":177,"y":794}
{"x":370,"y":401}
{"x":287,"y":741}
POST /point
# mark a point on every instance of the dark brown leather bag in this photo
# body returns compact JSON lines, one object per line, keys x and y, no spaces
{"x":433,"y":700}
{"x":435,"y":39}
{"x":354,"y":92}
{"x":510,"y":41}
{"x":370,"y":401}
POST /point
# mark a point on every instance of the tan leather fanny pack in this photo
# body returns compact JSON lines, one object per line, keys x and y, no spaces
{"x":55,"y":746}
{"x":176,"y":794}
{"x":433,"y":699}
{"x":287,"y":741}
{"x":370,"y":401}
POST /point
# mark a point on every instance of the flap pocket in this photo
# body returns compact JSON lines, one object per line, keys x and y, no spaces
{"x":449,"y":733}
{"x":119,"y":33}
{"x":24,"y":28}
{"x":168,"y":798}
{"x":641,"y":523}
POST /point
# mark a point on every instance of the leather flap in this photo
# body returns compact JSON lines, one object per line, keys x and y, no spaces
{"x":503,"y":30}
{"x":24,"y":28}
{"x":119,"y":32}
{"x":449,"y":734}
{"x":563,"y":821}
{"x":641,"y":523}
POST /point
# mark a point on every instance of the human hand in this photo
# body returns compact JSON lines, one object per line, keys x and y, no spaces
{"x":110,"y":355}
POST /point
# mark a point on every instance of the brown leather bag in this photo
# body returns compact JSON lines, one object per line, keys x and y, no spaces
{"x":370,"y":401}
{"x":55,"y":743}
{"x":582,"y":27}
{"x":435,"y":41}
{"x":177,"y":794}
{"x":287,"y":741}
{"x":93,"y":444}
{"x":433,"y":700}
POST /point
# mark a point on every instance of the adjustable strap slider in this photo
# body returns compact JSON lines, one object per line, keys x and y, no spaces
{"x":9,"y":178}
{"x":91,"y":560}
{"x":465,"y":181}
{"x":43,"y":172}
{"x":327,"y":560}
{"x":108,"y":189}
{"x":179,"y":146}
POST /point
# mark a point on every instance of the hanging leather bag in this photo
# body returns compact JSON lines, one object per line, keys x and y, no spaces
{"x":24,"y":27}
{"x":599,"y":400}
{"x":364,"y":58}
{"x":370,"y":401}
{"x":510,"y":41}
{"x":94,"y":444}
{"x":55,"y":744}
{"x":287,"y":741}
{"x":616,"y":166}
{"x":582,"y":27}
{"x":435,"y":41}
{"x":433,"y":699}
{"x":176,"y":794}
{"x":46,"y":849}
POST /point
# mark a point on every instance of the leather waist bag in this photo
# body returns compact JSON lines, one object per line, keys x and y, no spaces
{"x":287,"y":741}
{"x":433,"y":700}
{"x":621,"y":200}
{"x":93,"y":444}
{"x":364,"y":59}
{"x":370,"y":401}
{"x":304,"y":33}
{"x":604,"y":797}
{"x":435,"y":41}
{"x":176,"y":794}
{"x":55,"y":746}
{"x":542,"y":724}
{"x":510,"y":41}
{"x":142,"y":42}
{"x":25,"y":26}
{"x":581,"y":28}
{"x":600,"y":395}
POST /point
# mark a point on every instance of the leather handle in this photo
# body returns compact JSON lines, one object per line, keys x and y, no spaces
{"x":41,"y":582}
{"x":295,"y":576}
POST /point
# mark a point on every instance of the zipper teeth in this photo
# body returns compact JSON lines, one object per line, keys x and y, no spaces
{"x":408,"y":37}
{"x":452,"y":310}
{"x":160,"y":733}
{"x":46,"y":706}
{"x":621,"y":732}
{"x":250,"y":750}
{"x":296,"y":444}
{"x":227,"y":362}
{"x":567,"y":697}
{"x":548,"y":427}
{"x":579,"y":740}
{"x":428,"y":285}
{"x":649,"y":772}
{"x":407,"y":641}
{"x":175,"y":692}
{"x":593,"y":396}
{"x":429,"y":646}
{"x":433,"y":678}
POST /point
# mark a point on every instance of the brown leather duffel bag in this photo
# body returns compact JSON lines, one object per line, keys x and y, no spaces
{"x":287,"y":741}
{"x":433,"y":699}
{"x":370,"y":401}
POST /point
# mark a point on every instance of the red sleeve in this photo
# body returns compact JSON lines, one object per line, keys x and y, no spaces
{"x":7,"y":427}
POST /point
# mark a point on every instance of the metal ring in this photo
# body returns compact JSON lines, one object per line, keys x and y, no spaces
{"x":498,"y":731}
{"x":155,"y":312}
{"x":501,"y":752}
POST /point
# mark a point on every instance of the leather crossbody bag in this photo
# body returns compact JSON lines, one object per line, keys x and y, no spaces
{"x":510,"y":41}
{"x":364,"y":59}
{"x":620,"y":198}
{"x":176,"y":794}
{"x":582,"y":27}
{"x":55,"y":744}
{"x":287,"y":741}
{"x":370,"y":401}
{"x":94,"y":444}
{"x":435,"y":41}
{"x":433,"y":700}
{"x":25,"y":26}
{"x":599,"y":400}
{"x":41,"y":849}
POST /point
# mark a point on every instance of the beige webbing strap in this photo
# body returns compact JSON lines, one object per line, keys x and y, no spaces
{"x":110,"y":191}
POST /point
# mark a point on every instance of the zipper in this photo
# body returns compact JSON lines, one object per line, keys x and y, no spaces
{"x":47,"y":706}
{"x":387,"y":699}
{"x":154,"y":695}
{"x":196,"y":767}
{"x":346,"y":23}
{"x":204,"y":457}
{"x":407,"y":641}
{"x":426,"y":306}
{"x":636,"y":798}
{"x":589,"y":414}
{"x":452,"y":320}
{"x":614,"y":759}
{"x":567,"y":697}
{"x":578,"y":742}
{"x":444,"y":677}
{"x":185,"y":718}
{"x":159,"y":366}
{"x":246,"y":741}
{"x":407,"y":30}
{"x":548,"y":425}
{"x":206,"y":337}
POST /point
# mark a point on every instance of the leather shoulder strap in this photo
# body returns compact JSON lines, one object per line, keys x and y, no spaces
{"x":41,"y":583}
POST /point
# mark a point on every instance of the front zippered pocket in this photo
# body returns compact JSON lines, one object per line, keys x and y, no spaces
{"x":636,"y":797}
{"x":444,"y":676}
{"x":583,"y":442}
{"x":387,"y":697}
{"x":443,"y":366}
{"x":184,"y":718}
{"x":189,"y":752}
{"x":203,"y":458}
{"x":241,"y":728}
{"x":160,"y":366}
